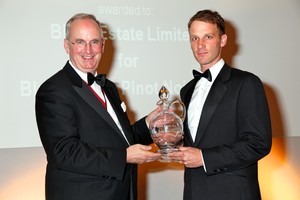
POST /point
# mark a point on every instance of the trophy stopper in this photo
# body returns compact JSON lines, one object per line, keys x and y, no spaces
{"x":163,"y":93}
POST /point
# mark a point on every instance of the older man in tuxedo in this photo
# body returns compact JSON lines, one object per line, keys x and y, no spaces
{"x":90,"y":144}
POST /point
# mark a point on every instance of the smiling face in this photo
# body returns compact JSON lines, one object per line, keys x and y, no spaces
{"x":84,"y":52}
{"x":206,"y":43}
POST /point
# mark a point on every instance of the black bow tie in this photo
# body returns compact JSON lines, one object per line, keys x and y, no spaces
{"x":100,"y":79}
{"x":206,"y":74}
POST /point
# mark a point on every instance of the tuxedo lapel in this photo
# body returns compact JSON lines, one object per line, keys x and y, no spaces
{"x":187,"y":93}
{"x":92,"y":100}
{"x":215,"y":95}
{"x":88,"y":96}
{"x":122,"y":116}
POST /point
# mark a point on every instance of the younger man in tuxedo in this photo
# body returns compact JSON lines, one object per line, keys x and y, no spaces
{"x":227,"y":129}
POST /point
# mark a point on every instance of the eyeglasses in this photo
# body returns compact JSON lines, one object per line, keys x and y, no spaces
{"x":81,"y":44}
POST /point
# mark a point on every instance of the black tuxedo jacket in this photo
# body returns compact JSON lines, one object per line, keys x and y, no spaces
{"x":234,"y":132}
{"x":86,"y":152}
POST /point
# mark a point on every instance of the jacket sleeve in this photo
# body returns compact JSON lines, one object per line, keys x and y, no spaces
{"x":58,"y":124}
{"x":141,"y":132}
{"x":249,"y":126}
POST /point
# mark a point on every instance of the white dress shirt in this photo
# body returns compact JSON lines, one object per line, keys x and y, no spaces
{"x":199,"y":96}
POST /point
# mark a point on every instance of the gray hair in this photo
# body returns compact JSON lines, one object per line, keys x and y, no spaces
{"x":81,"y":16}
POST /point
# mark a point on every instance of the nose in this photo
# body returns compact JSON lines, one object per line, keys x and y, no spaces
{"x":201,"y":44}
{"x":88,"y":47}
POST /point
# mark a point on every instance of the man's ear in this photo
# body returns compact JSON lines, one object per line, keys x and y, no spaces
{"x":66,"y":45}
{"x":103,"y":45}
{"x":223,"y":40}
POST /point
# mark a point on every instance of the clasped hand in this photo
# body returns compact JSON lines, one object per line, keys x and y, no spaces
{"x":139,"y":154}
{"x":189,"y":156}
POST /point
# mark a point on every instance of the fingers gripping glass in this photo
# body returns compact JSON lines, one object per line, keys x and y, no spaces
{"x":82,"y":44}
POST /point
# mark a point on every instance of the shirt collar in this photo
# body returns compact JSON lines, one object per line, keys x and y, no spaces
{"x":215,"y":69}
{"x":82,"y":75}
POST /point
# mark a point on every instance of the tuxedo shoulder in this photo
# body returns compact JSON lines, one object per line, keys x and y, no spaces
{"x":242,"y":74}
{"x":59,"y":80}
{"x":109,"y":82}
{"x":111,"y":86}
{"x":57,"y":77}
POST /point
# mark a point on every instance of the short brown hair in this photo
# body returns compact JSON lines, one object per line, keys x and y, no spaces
{"x":209,"y":16}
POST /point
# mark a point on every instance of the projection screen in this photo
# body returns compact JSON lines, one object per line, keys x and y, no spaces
{"x":147,"y":46}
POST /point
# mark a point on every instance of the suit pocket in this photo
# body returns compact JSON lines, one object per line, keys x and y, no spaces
{"x":230,"y":180}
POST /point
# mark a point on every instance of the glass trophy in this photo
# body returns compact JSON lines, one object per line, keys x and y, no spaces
{"x":166,"y":127}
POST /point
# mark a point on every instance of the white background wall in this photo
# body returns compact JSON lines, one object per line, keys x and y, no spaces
{"x":263,"y":39}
